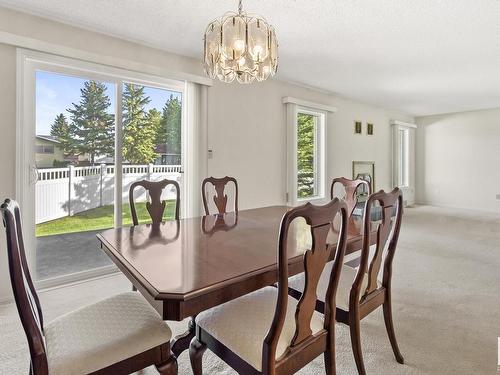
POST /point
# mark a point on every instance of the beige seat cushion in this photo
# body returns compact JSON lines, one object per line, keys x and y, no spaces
{"x":102,"y":334}
{"x":347,"y":276}
{"x":242,"y":324}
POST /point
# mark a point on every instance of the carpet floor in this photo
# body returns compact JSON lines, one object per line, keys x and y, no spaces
{"x":446,"y":301}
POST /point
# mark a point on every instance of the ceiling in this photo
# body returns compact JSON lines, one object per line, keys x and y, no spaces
{"x":418,"y":56}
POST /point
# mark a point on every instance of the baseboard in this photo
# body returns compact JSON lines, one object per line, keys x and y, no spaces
{"x":75,"y":278}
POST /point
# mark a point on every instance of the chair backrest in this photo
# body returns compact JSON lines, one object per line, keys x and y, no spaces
{"x":351,"y":188}
{"x":156,"y":207}
{"x":320,"y":220}
{"x":27,"y":302}
{"x":389,"y":225}
{"x":220,"y":198}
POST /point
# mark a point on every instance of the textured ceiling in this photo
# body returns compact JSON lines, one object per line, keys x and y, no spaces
{"x":418,"y":56}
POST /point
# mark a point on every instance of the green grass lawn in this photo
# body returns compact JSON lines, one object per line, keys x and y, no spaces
{"x":98,"y":218}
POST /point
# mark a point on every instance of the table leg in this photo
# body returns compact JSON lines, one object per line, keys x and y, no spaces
{"x":181,"y":342}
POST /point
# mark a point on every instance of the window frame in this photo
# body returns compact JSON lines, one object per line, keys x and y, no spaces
{"x":294,"y":107}
{"x":45,"y":149}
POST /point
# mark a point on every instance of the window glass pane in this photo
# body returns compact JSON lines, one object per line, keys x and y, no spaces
{"x":403,"y":157}
{"x":152,"y":131}
{"x":74,"y":150}
{"x":306,"y":155}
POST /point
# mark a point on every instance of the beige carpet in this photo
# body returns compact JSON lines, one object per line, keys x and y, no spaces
{"x":446,"y":304}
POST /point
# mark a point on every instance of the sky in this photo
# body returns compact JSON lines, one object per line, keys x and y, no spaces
{"x":56,"y":92}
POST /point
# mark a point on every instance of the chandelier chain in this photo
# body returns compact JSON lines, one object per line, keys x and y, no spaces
{"x":240,"y":6}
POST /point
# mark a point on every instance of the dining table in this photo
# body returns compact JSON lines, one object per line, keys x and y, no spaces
{"x":183,"y":267}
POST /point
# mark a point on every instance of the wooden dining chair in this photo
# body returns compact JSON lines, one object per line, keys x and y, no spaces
{"x":118,"y":335}
{"x":156,"y":207}
{"x":268,"y":332}
{"x":363,"y":289}
{"x":351,"y":188}
{"x":220,"y":198}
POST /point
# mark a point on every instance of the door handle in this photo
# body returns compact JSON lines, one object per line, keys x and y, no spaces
{"x":34,"y":174}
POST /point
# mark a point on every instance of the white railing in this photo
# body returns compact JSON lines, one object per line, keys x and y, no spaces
{"x":66,"y":191}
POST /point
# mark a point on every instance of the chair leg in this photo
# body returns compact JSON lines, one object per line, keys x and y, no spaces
{"x":196,"y":350}
{"x":354,"y":325}
{"x":387,"y":307}
{"x":169,"y":367}
{"x":330,"y":365}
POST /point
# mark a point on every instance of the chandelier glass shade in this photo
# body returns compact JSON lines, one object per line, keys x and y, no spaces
{"x":240,"y":46}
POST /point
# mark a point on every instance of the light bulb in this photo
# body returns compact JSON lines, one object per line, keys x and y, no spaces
{"x":239,"y":45}
{"x":241,"y":61}
{"x":257,"y":50}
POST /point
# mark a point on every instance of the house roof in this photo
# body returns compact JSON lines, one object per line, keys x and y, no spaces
{"x":48,"y":138}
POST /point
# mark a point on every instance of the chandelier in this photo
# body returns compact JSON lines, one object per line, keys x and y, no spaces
{"x":240,"y":46}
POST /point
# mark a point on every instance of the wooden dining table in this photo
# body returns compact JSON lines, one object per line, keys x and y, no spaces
{"x":183,"y":267}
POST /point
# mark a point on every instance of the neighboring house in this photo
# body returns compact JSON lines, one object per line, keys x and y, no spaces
{"x":165,"y":156}
{"x":47,"y":150}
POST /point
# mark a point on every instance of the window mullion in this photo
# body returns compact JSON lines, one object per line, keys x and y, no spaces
{"x":118,"y":155}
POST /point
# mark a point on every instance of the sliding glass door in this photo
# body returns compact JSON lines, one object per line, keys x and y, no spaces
{"x":152,"y":144}
{"x":89,"y":133}
{"x":74,"y":153}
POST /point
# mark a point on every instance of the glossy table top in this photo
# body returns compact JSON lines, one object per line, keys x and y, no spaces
{"x":190,"y":257}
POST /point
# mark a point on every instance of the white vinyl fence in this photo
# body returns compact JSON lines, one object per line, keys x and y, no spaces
{"x":66,"y":191}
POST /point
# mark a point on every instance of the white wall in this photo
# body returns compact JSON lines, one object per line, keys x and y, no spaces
{"x":248,"y":136}
{"x":246,"y":123}
{"x":458,"y":160}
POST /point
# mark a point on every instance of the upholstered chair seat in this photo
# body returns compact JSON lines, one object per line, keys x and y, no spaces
{"x":243,"y":323}
{"x":99,"y":335}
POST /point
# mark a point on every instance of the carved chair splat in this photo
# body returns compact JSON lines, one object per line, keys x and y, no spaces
{"x":220,"y":198}
{"x":351,"y":187}
{"x":156,"y":207}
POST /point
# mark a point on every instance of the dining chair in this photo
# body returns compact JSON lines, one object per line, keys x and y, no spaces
{"x":118,"y":335}
{"x":220,"y":199}
{"x":351,"y":188}
{"x":156,"y":207}
{"x":268,"y":332}
{"x":363,"y":289}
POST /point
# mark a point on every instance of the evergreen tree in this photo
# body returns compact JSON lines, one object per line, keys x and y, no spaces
{"x":138,"y":132}
{"x":60,"y":130}
{"x":92,"y":127}
{"x":305,"y":155}
{"x":170,"y":126}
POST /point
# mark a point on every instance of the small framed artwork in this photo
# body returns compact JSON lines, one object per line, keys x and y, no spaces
{"x":369,"y":128}
{"x":364,"y":170}
{"x":357,"y":127}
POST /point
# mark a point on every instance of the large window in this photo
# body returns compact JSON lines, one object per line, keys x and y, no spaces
{"x":403,"y":157}
{"x":307,"y":155}
{"x":403,"y":137}
{"x":306,"y":129}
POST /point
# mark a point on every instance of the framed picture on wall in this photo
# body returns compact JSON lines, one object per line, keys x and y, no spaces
{"x":364,"y":170}
{"x":369,"y":128}
{"x":357,"y":127}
